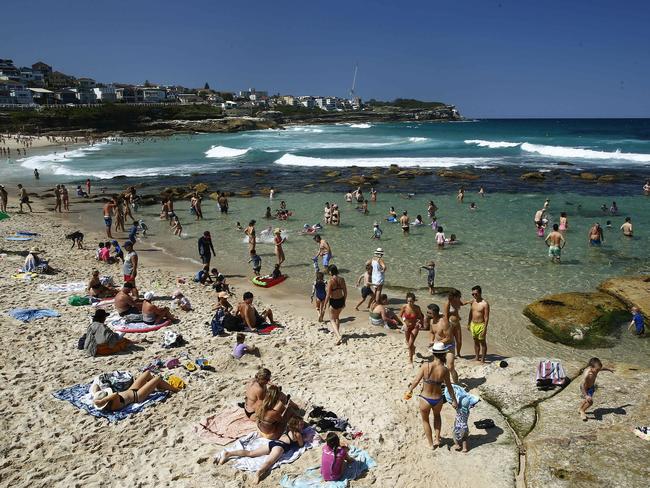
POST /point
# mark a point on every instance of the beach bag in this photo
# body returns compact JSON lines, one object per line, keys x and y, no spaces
{"x":77,"y":300}
{"x":172,"y":339}
{"x":232,"y":323}
{"x":216,"y":324}
{"x":117,"y":380}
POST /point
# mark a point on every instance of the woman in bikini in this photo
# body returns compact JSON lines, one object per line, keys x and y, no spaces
{"x":432,"y":375}
{"x":412,"y":317}
{"x":337,"y":292}
{"x":278,"y":240}
{"x":290,"y":439}
{"x":142,"y":387}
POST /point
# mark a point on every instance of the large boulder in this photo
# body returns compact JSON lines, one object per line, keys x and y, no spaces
{"x":458,"y":175}
{"x":588,"y":176}
{"x":200,"y":187}
{"x":533,"y":176}
{"x":562,"y":451}
{"x":577,"y":319}
{"x":634,"y":291}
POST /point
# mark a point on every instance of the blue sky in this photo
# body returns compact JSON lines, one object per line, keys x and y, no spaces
{"x":507,"y":58}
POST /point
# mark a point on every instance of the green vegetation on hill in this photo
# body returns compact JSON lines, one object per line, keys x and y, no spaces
{"x":409,"y":103}
{"x":107,"y":117}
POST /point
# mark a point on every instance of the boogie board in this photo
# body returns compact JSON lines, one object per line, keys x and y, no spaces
{"x":18,"y":238}
{"x":268,"y":282}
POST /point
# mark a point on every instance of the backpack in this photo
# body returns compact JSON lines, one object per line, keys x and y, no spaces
{"x":82,"y":342}
{"x":117,"y":380}
{"x":216,"y":324}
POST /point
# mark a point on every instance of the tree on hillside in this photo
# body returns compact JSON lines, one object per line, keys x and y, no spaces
{"x":206,"y":87}
{"x":147,"y":83}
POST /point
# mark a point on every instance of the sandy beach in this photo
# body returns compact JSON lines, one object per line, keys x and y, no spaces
{"x":48,"y":442}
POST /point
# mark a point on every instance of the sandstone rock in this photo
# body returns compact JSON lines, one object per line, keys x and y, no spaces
{"x":458,"y":175}
{"x":214,"y":195}
{"x":588,"y":176}
{"x":333,"y":174}
{"x":607,"y":179}
{"x":562,"y":451}
{"x":513,"y":392}
{"x":393,"y":169}
{"x":578,"y":319}
{"x":634,"y":291}
{"x":533,"y":176}
{"x":200,"y":187}
{"x":405,"y":173}
{"x":245,"y":193}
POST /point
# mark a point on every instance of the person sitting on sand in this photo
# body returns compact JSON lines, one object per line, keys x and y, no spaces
{"x":242,"y":348}
{"x":203,"y":275}
{"x":382,"y":316}
{"x":274,"y":412}
{"x":100,"y":339}
{"x":255,"y":393}
{"x":33,"y":263}
{"x":125,"y":300}
{"x":433,"y":375}
{"x":97,"y":289}
{"x":222,"y":301}
{"x":142,"y":387}
{"x":290,"y":439}
{"x":334,"y":458}
{"x":152,"y":314}
{"x":181,"y":301}
{"x":250,"y":317}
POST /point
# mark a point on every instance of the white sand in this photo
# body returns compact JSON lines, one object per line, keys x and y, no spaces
{"x":47,"y":442}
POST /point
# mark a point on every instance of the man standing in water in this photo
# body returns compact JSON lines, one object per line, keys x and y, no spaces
{"x":478,"y":319}
{"x":555,"y":242}
{"x":404,"y":221}
{"x":206,"y":249}
{"x":324,"y":250}
{"x":627,"y":227}
{"x":109,"y":207}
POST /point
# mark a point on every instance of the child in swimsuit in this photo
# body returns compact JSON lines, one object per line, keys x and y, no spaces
{"x":431,"y":275}
{"x":588,"y":385}
{"x":319,"y":290}
{"x":440,"y":237}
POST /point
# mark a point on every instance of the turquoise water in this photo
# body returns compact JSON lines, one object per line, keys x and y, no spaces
{"x":498,"y":249}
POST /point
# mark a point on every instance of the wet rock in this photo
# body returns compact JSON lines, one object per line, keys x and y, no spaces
{"x":533,"y":176}
{"x":333,"y":174}
{"x":245,"y":193}
{"x":588,"y":176}
{"x":577,"y":319}
{"x":633,"y":291}
{"x":200,"y":188}
{"x":458,"y":175}
{"x":393,"y":169}
{"x":607,"y":179}
{"x":214,"y":195}
{"x":562,"y":451}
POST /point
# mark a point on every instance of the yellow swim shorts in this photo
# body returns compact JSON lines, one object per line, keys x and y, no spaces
{"x":478,"y":330}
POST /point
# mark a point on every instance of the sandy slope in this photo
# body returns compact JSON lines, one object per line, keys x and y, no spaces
{"x":45,"y":441}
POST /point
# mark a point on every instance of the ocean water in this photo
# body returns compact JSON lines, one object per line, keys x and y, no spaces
{"x":498,"y":247}
{"x":483,"y":145}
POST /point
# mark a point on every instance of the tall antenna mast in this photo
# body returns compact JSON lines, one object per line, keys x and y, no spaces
{"x":354,"y":81}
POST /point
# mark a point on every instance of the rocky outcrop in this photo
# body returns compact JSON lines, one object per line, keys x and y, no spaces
{"x":588,"y":176}
{"x":458,"y":175}
{"x":634,"y":291}
{"x":513,"y":390}
{"x":578,"y":319}
{"x":533,"y":176}
{"x":562,"y":451}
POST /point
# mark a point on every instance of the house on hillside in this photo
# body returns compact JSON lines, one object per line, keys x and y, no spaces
{"x":41,"y":96}
{"x":105,"y":94}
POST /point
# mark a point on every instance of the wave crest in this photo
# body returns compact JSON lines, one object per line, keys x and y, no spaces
{"x":575,"y":152}
{"x":442,"y":162}
{"x":225,"y":152}
{"x":492,"y":144}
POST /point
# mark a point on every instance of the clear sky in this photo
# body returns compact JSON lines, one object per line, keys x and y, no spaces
{"x":507,"y":58}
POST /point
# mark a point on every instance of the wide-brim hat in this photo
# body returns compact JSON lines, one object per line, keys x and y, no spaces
{"x":149,"y":295}
{"x":277,"y":230}
{"x":379,"y":252}
{"x":438,"y":347}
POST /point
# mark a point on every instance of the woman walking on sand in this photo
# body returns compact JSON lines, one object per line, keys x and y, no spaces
{"x":432,"y":375}
{"x":412,"y":317}
{"x":337,"y":292}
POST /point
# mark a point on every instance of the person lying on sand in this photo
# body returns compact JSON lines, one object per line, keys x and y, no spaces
{"x":152,"y":314}
{"x":142,"y":387}
{"x":97,"y":289}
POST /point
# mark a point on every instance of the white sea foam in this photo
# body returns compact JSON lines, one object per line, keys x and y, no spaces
{"x":295,"y":160}
{"x":304,"y":128}
{"x":419,"y":139}
{"x":575,"y":152}
{"x":360,"y":126}
{"x":46,"y":161}
{"x":492,"y":144}
{"x":225,"y":152}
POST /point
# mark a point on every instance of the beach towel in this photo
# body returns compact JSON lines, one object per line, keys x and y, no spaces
{"x":313,"y":479}
{"x":28,"y":314}
{"x":18,"y":238}
{"x":79,"y":396}
{"x":26,"y":233}
{"x":122,"y":325}
{"x":549,"y":374}
{"x":62,"y":287}
{"x":465,"y":399}
{"x":24,"y":276}
{"x":254,"y":441}
{"x":225,"y":427}
{"x":4,"y":215}
{"x":268,"y":329}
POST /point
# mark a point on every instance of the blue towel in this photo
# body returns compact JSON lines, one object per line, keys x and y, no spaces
{"x":465,"y":400}
{"x":313,"y":479}
{"x":25,"y":233}
{"x":27,"y":314}
{"x":79,"y":396}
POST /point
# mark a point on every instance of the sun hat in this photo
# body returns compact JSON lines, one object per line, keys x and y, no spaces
{"x":149,"y":296}
{"x":98,"y":395}
{"x":33,"y":250}
{"x":431,"y":263}
{"x":379,"y":251}
{"x":376,"y":224}
{"x":438,"y":347}
{"x":277,"y":230}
